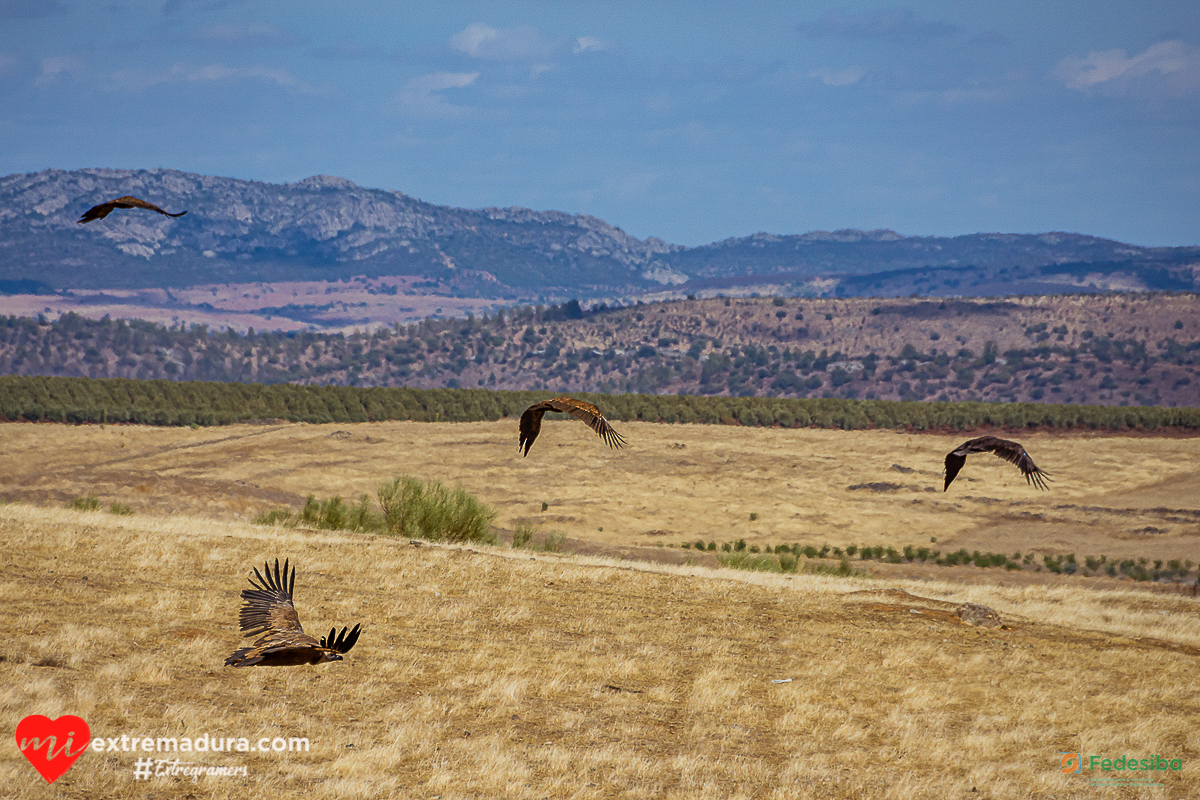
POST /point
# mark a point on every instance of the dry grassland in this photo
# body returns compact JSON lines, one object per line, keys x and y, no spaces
{"x":491,"y":672}
{"x":485,"y":672}
{"x":1120,"y":496}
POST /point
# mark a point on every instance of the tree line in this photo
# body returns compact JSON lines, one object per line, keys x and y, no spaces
{"x":162,"y":402}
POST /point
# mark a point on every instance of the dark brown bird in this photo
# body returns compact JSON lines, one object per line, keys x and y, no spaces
{"x":104,"y":209}
{"x":1012,"y":452}
{"x":268,"y":610}
{"x":531,"y":421}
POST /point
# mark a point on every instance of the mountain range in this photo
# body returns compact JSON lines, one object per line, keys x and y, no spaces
{"x":328,"y":229}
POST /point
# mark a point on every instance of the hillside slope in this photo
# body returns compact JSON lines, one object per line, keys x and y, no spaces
{"x":328,"y":229}
{"x":321,"y":228}
{"x":1141,"y":349}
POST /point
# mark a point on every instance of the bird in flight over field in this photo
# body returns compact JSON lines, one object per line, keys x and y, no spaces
{"x":1012,"y":452}
{"x":104,"y":209}
{"x":531,"y":421}
{"x":268,"y":610}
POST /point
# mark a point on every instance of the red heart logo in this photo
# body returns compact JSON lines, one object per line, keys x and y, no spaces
{"x":49,"y":744}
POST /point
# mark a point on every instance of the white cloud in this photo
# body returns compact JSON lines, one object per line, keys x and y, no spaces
{"x":1114,"y":69}
{"x":586,"y":44}
{"x":839,"y":77}
{"x":420,"y":95}
{"x":522,"y":43}
{"x":51,"y":68}
{"x":209,"y":73}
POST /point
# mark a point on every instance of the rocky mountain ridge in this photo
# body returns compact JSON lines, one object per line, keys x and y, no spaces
{"x":326,"y":228}
{"x":321,"y":227}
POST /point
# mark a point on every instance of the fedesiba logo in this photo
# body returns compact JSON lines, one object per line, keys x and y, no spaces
{"x":1076,"y":763}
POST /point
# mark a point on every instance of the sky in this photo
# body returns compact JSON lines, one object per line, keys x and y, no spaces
{"x":690,"y":121}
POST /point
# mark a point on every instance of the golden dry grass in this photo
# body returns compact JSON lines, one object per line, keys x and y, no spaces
{"x":672,"y":483}
{"x":488,"y":672}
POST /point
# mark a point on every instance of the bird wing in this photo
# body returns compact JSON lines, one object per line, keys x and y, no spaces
{"x":268,"y":608}
{"x":342,"y":643}
{"x":129,"y":201}
{"x":531,"y":426}
{"x":1014,"y":453}
{"x":589,"y":414}
{"x":97,"y":212}
{"x":954,"y":462}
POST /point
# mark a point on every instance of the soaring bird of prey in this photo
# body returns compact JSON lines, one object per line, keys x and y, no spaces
{"x":1012,"y":452}
{"x":268,"y":610}
{"x":531,"y":421}
{"x":104,"y":209}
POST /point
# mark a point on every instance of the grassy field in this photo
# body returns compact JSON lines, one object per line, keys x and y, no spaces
{"x":1120,"y":496}
{"x":490,"y":672}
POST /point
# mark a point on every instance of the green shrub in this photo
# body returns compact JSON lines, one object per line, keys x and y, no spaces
{"x":361,"y":518}
{"x":433,"y":511}
{"x":523,"y":534}
{"x":334,"y":514}
{"x":120,"y":509}
{"x":88,"y":502}
{"x":276,"y":516}
{"x":844,"y":569}
{"x":740,"y":559}
{"x":553,"y":543}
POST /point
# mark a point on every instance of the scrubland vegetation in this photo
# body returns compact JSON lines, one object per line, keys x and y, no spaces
{"x":1127,"y":350}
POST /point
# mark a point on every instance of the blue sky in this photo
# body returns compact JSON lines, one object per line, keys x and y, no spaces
{"x":689,"y":121}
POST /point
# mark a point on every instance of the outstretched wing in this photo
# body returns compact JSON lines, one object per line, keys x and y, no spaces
{"x":954,"y":462}
{"x":97,"y":212}
{"x":342,"y":643}
{"x":531,"y":426}
{"x":268,"y":608}
{"x":128,"y":201}
{"x":589,"y":414}
{"x":1014,"y":453}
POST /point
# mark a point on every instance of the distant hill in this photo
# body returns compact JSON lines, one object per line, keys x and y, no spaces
{"x":329,"y":229}
{"x":1117,"y":349}
{"x":322,"y":228}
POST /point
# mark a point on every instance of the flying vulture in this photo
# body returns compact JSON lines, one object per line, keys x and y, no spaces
{"x":268,"y":610}
{"x":104,"y":209}
{"x":531,"y":421}
{"x":1012,"y":452}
